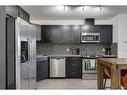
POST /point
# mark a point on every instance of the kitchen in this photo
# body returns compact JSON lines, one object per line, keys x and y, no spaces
{"x":75,"y":54}
{"x":60,"y":45}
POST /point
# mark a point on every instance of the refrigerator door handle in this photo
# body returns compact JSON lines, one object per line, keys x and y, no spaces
{"x":28,"y":50}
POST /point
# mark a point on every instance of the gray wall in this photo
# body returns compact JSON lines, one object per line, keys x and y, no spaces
{"x":2,"y":47}
{"x":61,"y":49}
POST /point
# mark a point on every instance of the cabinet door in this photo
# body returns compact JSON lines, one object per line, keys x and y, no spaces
{"x":73,"y":67}
{"x":55,"y":34}
{"x":38,"y":32}
{"x":74,"y":70}
{"x":105,"y":33}
{"x":46,"y":33}
{"x":45,"y":67}
{"x":88,"y":28}
{"x":66,"y":34}
{"x":76,"y":33}
{"x":39,"y":73}
{"x":42,"y":70}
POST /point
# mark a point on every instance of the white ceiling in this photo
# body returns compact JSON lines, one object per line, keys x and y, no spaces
{"x":73,"y":12}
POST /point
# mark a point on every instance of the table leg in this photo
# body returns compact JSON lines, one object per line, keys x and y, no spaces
{"x":99,"y":75}
{"x":114,"y":77}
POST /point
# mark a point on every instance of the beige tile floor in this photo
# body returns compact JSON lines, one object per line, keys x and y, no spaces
{"x":67,"y":84}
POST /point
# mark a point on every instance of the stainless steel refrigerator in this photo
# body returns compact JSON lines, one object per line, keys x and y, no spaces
{"x":25,"y":42}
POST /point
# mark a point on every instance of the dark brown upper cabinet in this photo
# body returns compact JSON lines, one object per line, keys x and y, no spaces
{"x":60,"y":34}
{"x":66,"y":34}
{"x":89,"y":21}
{"x":55,"y":34}
{"x":75,"y":33}
{"x":105,"y":33}
{"x":46,"y":34}
{"x":71,"y":33}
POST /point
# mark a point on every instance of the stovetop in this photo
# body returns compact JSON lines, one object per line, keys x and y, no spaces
{"x":90,"y":56}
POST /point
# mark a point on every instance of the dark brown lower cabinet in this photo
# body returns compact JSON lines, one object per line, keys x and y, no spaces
{"x":73,"y":67}
{"x":42,"y":69}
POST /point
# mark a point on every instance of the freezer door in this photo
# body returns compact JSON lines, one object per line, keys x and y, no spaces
{"x":24,"y":67}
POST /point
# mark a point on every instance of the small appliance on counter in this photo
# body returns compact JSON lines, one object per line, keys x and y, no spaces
{"x":107,"y":51}
{"x":75,"y":51}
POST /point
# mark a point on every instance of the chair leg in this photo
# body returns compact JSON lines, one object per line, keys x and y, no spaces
{"x":104,"y":85}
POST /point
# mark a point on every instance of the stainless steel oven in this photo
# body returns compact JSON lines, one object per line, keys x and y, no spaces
{"x":90,"y":37}
{"x":89,"y":68}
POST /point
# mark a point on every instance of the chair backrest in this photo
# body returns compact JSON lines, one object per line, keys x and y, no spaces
{"x":107,"y":72}
{"x":124,"y":78}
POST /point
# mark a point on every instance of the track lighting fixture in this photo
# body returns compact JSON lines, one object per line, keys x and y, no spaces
{"x":83,"y":7}
{"x":100,"y":8}
{"x":64,"y":7}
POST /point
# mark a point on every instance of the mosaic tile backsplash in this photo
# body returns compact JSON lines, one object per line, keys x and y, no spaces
{"x":66,"y":49}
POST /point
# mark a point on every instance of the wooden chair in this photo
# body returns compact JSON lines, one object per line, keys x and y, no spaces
{"x":124,"y":78}
{"x":107,"y":75}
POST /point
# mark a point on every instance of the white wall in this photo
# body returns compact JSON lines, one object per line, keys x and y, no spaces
{"x":114,"y":22}
{"x":58,"y":22}
{"x":68,"y":22}
{"x":122,"y":36}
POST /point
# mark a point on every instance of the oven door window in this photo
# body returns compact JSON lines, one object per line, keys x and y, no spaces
{"x":24,"y":51}
{"x":90,"y":65}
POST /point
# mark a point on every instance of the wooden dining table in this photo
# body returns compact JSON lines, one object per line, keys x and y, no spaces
{"x":115,"y":65}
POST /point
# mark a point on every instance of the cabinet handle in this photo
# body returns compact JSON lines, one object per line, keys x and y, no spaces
{"x":73,"y":64}
{"x":73,"y":72}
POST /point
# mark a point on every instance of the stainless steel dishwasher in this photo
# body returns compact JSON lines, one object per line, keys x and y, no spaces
{"x":57,"y":67}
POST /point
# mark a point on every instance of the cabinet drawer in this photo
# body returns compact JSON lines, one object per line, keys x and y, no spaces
{"x":74,"y":74}
{"x":73,"y":60}
{"x":77,"y":70}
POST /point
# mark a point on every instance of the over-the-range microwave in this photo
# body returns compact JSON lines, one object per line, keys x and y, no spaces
{"x":90,"y":37}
